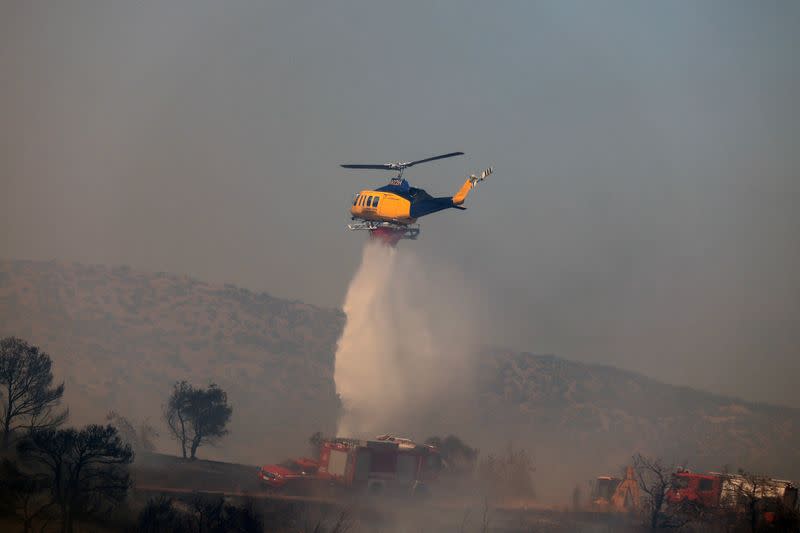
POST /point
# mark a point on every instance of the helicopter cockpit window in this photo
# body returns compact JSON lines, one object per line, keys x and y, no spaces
{"x":369,"y":201}
{"x":375,"y":201}
{"x":355,"y":200}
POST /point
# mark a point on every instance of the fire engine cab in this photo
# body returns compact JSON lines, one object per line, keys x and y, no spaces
{"x":701,"y":489}
{"x":732,"y":491}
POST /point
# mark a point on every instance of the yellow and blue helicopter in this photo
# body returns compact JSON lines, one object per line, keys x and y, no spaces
{"x":391,"y":212}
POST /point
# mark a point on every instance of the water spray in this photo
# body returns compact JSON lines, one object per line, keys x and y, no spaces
{"x":405,"y":359}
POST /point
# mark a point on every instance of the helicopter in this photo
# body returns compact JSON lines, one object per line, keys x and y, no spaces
{"x":390,"y":212}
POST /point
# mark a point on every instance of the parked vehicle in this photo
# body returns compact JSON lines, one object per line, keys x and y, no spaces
{"x":293,"y":472}
{"x":732,"y":492}
{"x":386,"y":464}
{"x":615,"y":494}
{"x":695,"y":488}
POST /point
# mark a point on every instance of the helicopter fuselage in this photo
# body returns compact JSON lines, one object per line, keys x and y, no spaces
{"x":398,"y":203}
{"x":382,"y":206}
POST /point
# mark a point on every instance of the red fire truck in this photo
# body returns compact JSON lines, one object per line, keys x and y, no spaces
{"x":731,"y":491}
{"x":386,"y":464}
{"x":692,"y":487}
{"x":299,"y":474}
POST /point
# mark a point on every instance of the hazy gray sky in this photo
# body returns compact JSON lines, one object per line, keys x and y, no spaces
{"x":647,"y":160}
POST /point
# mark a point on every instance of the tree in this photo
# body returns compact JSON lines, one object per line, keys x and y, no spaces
{"x":315,"y":443}
{"x":200,"y":514}
{"x":750,"y":492}
{"x":25,"y":495}
{"x":576,"y":498}
{"x":197,"y":416}
{"x":27,"y":394}
{"x":758,"y":502}
{"x":457,"y":455}
{"x":654,"y":479}
{"x":159,"y":516}
{"x":87,"y":469}
{"x":508,"y":475}
{"x":140,"y":438}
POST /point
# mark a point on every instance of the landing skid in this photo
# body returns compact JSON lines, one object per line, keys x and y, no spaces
{"x":386,"y":231}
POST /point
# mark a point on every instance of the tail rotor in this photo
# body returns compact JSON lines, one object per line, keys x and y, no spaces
{"x":474,"y":180}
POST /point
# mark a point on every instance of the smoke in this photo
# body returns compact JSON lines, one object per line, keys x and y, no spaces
{"x":405,"y":361}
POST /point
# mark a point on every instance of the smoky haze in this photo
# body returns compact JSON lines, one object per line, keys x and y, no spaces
{"x":642,"y":212}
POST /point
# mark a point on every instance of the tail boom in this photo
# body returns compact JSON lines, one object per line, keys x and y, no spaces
{"x":470,"y":184}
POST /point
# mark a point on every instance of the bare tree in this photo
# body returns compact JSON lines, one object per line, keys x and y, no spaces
{"x":508,"y":475}
{"x":29,"y":399}
{"x":197,"y":416}
{"x":139,"y":437}
{"x":87,"y":469}
{"x":459,"y":458}
{"x":315,"y":443}
{"x":746,"y":491}
{"x":754,"y":497}
{"x":654,"y":479}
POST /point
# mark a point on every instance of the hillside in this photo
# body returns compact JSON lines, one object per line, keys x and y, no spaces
{"x":594,"y":414}
{"x":120,"y":338}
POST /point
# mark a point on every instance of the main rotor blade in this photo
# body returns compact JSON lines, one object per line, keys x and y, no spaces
{"x":400,"y":166}
{"x":451,"y":154}
{"x":375,"y":167}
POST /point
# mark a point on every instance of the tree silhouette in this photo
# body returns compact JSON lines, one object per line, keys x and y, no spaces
{"x":315,"y":443}
{"x":159,"y":516}
{"x":26,"y":389}
{"x":760,"y":502}
{"x":197,"y":416}
{"x":655,"y":478}
{"x":140,"y":438}
{"x":457,"y":455}
{"x":23,"y":494}
{"x":204,"y":514}
{"x":87,"y":468}
{"x":509,"y":474}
